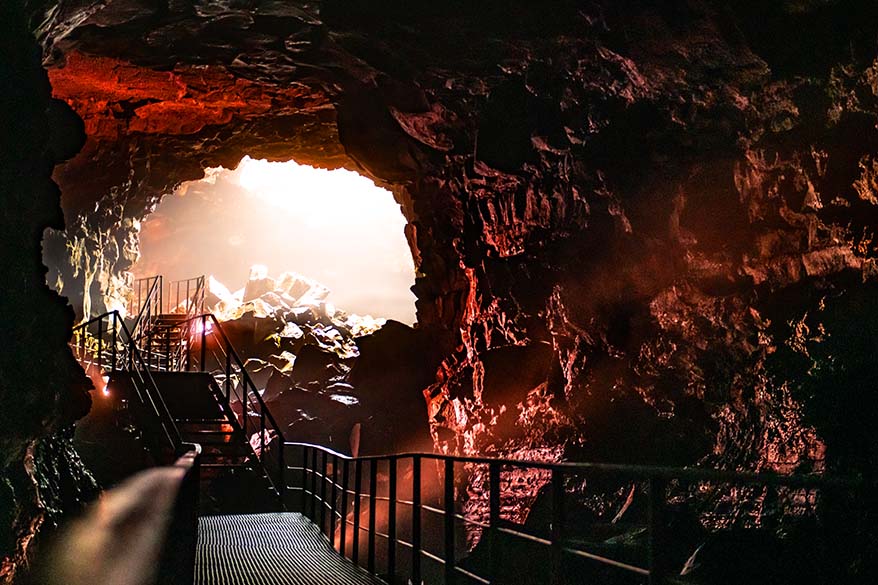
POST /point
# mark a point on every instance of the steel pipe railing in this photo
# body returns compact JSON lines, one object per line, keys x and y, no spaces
{"x":104,"y":346}
{"x":143,"y":531}
{"x":204,"y":335}
{"x":559,"y":546}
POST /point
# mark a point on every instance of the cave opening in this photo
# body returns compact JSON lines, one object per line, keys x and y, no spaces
{"x":335,"y":228}
{"x":640,"y":237}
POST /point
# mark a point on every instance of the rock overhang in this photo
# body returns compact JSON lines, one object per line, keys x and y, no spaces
{"x":624,"y":182}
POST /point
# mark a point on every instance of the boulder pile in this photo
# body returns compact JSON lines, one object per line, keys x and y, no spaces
{"x":352,"y":382}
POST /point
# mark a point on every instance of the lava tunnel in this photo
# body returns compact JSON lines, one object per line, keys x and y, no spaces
{"x":625,"y":330}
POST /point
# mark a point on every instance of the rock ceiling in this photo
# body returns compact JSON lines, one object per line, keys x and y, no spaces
{"x":635,"y":223}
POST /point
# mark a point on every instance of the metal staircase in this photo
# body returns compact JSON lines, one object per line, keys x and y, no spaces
{"x":159,"y":309}
{"x":399,"y":516}
{"x":180,"y":380}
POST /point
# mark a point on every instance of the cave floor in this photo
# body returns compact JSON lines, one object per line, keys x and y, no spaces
{"x":269,"y":549}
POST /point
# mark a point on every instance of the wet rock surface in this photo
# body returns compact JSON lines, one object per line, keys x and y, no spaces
{"x":678,"y":198}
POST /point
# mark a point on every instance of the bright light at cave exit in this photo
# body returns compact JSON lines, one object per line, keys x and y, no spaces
{"x":336,"y":227}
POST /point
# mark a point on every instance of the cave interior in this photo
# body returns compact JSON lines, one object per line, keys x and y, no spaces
{"x":641,"y":233}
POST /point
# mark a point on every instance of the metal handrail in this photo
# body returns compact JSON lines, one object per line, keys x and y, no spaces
{"x":180,"y":360}
{"x":248,"y":392}
{"x":233,"y":354}
{"x":149,"y":306}
{"x":249,"y":387}
{"x":154,"y":292}
{"x":316,"y":480}
{"x":123,"y":349}
{"x":144,"y":531}
{"x":644,"y":471}
{"x":328,"y":499}
{"x":242,"y":369}
{"x":194,"y":296}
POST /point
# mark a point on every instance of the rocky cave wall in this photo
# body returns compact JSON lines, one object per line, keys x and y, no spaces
{"x":643,"y":230}
{"x":42,"y":389}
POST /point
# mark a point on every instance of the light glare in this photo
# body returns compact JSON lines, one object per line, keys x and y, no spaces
{"x":335,"y":227}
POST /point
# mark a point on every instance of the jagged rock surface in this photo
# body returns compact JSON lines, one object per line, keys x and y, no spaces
{"x":666,"y":210}
{"x":350,"y":382}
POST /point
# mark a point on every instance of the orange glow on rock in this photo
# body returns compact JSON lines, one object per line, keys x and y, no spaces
{"x":182,"y":101}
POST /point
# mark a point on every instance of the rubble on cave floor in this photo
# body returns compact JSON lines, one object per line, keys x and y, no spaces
{"x":296,"y":311}
{"x":328,"y":376}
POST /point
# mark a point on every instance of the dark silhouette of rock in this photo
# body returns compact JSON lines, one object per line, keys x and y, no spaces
{"x":42,"y":388}
{"x":673,"y":196}
{"x":395,"y":364}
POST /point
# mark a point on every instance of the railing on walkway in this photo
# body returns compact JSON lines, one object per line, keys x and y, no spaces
{"x":186,"y":297}
{"x":210,"y":350}
{"x":156,"y":304}
{"x":146,"y":306}
{"x":359,"y":502}
{"x":143,"y":532}
{"x":146,"y":301}
{"x":104,"y":346}
{"x":402,"y":511}
{"x":152,"y":296}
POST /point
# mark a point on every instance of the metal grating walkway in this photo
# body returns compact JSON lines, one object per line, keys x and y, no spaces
{"x":269,"y":549}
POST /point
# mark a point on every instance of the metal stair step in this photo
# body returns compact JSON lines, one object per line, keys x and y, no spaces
{"x":195,"y":402}
{"x":208,"y":443}
{"x":233,"y":450}
{"x":223,"y":466}
{"x":210,"y":432}
{"x":223,"y":458}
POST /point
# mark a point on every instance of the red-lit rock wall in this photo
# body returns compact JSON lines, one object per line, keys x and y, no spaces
{"x":643,"y":230}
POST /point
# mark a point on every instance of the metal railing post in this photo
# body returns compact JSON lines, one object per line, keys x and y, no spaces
{"x":656,"y":487}
{"x":229,"y":380}
{"x":334,"y":496}
{"x":494,"y":519}
{"x":323,"y":491}
{"x":168,"y":349}
{"x":305,"y":480}
{"x":450,"y":574}
{"x":358,"y":488}
{"x":245,"y":396}
{"x":345,"y":471}
{"x":189,"y":325}
{"x":557,"y":527}
{"x":416,"y":519}
{"x":373,"y":485}
{"x":261,"y":436}
{"x":203,"y":343}
{"x":115,"y":339}
{"x":391,"y":519}
{"x":282,"y":471}
{"x":313,"y":514}
{"x":100,"y":345}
